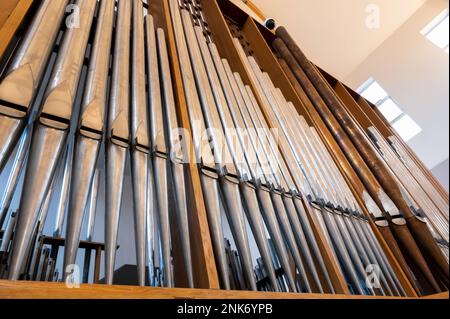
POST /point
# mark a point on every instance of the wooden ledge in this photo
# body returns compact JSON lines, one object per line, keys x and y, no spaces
{"x":45,"y":290}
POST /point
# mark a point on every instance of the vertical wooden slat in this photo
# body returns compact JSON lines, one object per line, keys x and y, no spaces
{"x":205,"y":271}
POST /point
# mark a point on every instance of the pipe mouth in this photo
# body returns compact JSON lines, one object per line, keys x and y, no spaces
{"x":355,"y":214}
{"x":119,"y":141}
{"x":278,"y":190}
{"x":232,"y":178}
{"x":54,"y":121}
{"x":13,"y":110}
{"x":288,"y":195}
{"x":397,"y":219}
{"x":419,"y":214}
{"x":143,"y":149}
{"x":266,"y":187}
{"x":91,"y":133}
{"x":162,"y":155}
{"x":332,"y":210}
{"x":210,"y":172}
{"x":382,"y":223}
{"x":250,"y":184}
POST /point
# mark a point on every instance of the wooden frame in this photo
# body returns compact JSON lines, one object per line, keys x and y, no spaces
{"x":205,"y":271}
{"x":42,"y":290}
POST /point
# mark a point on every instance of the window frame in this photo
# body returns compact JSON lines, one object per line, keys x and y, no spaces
{"x":432,"y":25}
{"x":365,"y":86}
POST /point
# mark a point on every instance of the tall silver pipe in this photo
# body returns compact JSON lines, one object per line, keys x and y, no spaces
{"x":152,"y":231}
{"x":118,"y":134}
{"x":20,"y":85}
{"x":66,"y":170}
{"x":159,"y":152}
{"x":43,"y":212}
{"x":90,"y":129}
{"x":140,"y":142}
{"x":50,"y":132}
{"x":211,"y":191}
{"x":176,"y":158}
{"x":14,"y":175}
{"x":9,"y":229}
{"x":160,"y":167}
{"x":92,"y":209}
{"x":64,"y":193}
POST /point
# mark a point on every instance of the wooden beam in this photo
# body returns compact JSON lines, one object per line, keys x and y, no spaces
{"x":442,"y":295}
{"x":45,"y":290}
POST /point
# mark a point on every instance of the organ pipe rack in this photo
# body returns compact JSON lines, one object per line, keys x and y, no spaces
{"x":225,"y":18}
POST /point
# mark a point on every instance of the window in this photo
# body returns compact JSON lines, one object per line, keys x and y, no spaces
{"x":437,"y":30}
{"x":406,"y":127}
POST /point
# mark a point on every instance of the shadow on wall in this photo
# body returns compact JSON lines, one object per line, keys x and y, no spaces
{"x":441,"y":172}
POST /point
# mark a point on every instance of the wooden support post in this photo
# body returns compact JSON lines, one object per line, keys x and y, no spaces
{"x":205,"y":271}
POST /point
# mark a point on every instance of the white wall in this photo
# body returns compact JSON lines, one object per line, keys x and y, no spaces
{"x":415,"y":73}
{"x":333,"y":33}
{"x":442,"y":171}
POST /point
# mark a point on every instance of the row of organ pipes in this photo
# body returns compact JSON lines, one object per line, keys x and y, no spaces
{"x":73,"y":96}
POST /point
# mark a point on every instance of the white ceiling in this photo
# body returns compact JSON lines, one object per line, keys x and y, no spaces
{"x":328,"y":30}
